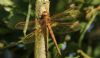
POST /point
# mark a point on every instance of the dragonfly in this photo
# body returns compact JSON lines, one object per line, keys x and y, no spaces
{"x":66,"y":20}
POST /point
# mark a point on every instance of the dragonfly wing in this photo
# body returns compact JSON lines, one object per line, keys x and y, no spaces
{"x":67,"y":15}
{"x":29,"y":38}
{"x":66,"y":27}
{"x":21,"y":25}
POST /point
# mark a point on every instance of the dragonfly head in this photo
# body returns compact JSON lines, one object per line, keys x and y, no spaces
{"x":44,"y":14}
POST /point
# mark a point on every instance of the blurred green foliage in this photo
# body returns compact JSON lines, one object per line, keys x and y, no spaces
{"x":15,"y":11}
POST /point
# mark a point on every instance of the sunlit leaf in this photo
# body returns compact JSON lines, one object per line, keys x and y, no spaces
{"x":8,"y":9}
{"x":6,"y":2}
{"x":95,"y":2}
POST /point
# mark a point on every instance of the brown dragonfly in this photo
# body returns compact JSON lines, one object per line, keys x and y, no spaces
{"x":67,"y":21}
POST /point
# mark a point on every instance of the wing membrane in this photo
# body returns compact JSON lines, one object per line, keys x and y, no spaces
{"x":68,"y":26}
{"x":65,"y":19}
{"x":21,"y":25}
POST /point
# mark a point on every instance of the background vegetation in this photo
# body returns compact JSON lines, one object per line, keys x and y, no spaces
{"x":83,"y":42}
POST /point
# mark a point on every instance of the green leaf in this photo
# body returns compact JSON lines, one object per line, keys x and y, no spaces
{"x":95,"y":2}
{"x":97,"y":51}
{"x":6,"y":2}
{"x":8,"y":9}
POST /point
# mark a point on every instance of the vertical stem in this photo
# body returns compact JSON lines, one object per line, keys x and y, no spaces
{"x":41,"y":6}
{"x":27,"y":18}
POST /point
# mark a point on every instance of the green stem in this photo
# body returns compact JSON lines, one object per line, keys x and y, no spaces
{"x":27,"y":19}
{"x":87,"y":27}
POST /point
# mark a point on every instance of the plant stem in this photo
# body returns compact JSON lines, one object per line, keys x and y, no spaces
{"x":40,"y":50}
{"x":27,"y":19}
{"x":87,"y":27}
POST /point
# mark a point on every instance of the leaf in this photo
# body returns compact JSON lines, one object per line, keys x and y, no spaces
{"x":6,"y":2}
{"x":8,"y":9}
{"x":97,"y":51}
{"x":95,"y":2}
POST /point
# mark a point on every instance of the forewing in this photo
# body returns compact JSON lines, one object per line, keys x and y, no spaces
{"x":66,"y":27}
{"x":20,"y":25}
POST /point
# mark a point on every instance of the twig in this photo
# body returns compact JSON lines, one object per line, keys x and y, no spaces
{"x":27,"y":19}
{"x":40,"y":51}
